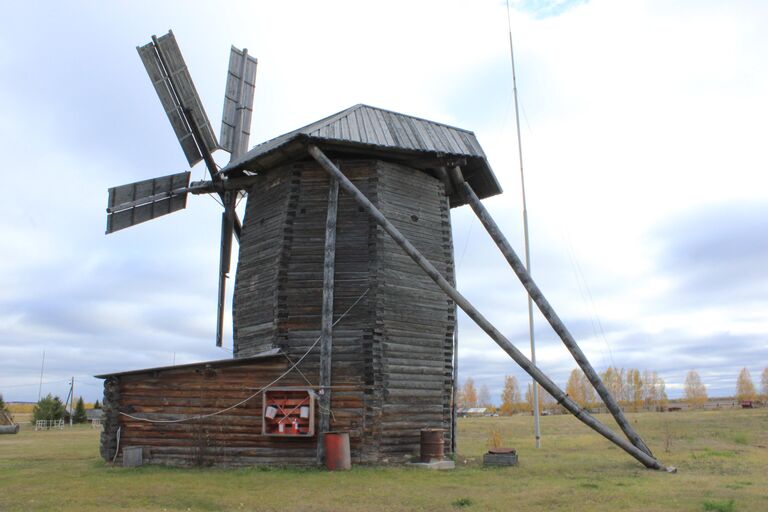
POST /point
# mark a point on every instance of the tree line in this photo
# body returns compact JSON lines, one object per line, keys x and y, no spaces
{"x":695,"y":392}
{"x":633,"y":389}
{"x":52,"y":408}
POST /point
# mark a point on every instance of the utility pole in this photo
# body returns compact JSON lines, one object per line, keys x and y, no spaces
{"x":535,"y":389}
{"x":70,"y":400}
{"x":40,"y":387}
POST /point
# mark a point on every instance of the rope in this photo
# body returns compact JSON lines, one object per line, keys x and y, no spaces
{"x":261,"y":390}
{"x":117,"y":448}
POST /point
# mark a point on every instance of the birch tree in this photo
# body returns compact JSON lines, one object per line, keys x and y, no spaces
{"x":469,"y":393}
{"x":575,"y":389}
{"x":695,"y":391}
{"x":510,"y":396}
{"x":745,"y":388}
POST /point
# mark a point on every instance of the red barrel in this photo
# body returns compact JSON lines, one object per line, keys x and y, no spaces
{"x":337,"y":455}
{"x":432,"y":444}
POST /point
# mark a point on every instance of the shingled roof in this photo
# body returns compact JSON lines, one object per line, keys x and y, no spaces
{"x":368,"y":131}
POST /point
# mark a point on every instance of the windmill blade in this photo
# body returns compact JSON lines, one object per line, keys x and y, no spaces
{"x":225,"y":256}
{"x":238,"y":102}
{"x":173,"y":83}
{"x":139,"y":202}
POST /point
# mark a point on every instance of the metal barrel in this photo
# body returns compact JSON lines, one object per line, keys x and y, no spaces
{"x":432,"y":444}
{"x":337,"y":455}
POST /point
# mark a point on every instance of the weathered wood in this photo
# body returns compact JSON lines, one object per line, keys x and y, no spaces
{"x":225,"y":257}
{"x":549,"y":313}
{"x":561,"y":397}
{"x":326,"y":340}
{"x":392,"y":355}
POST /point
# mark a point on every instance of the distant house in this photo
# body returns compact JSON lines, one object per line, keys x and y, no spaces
{"x":95,"y":417}
{"x":472,"y":411}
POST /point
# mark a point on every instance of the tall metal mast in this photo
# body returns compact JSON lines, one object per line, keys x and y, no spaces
{"x":535,"y":388}
{"x":40,"y":387}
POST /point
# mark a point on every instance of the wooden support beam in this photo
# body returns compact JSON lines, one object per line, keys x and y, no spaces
{"x":442,"y":175}
{"x":548,"y":312}
{"x":455,"y":388}
{"x":225,"y":257}
{"x":210,"y":163}
{"x":562,"y":398}
{"x":326,"y":335}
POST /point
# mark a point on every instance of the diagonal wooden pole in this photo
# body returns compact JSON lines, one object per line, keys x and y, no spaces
{"x":546,"y":309}
{"x":562,"y":398}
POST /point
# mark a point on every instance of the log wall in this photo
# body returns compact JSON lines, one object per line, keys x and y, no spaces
{"x":233,"y":438}
{"x":415,"y":320}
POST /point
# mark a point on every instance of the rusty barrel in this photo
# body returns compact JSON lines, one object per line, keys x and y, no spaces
{"x":432,"y":444}
{"x":337,"y":455}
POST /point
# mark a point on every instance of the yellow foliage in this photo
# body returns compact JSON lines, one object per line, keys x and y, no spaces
{"x":20,"y":408}
{"x":494,"y":438}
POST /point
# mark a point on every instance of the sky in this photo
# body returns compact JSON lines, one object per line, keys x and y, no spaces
{"x":643,"y":131}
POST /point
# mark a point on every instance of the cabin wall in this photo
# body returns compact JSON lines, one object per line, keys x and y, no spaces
{"x":233,"y":438}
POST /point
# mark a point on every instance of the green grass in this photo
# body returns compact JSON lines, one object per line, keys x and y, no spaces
{"x":721,"y":456}
{"x":720,"y":506}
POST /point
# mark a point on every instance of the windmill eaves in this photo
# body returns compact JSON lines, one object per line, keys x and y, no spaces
{"x":373,"y":131}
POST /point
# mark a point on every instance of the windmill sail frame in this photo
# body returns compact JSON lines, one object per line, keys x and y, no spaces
{"x":145,"y":200}
{"x":238,"y":102}
{"x":169,"y":74}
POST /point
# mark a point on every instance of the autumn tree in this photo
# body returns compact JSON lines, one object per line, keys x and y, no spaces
{"x":764,"y":383}
{"x":575,"y":388}
{"x":613,"y":379}
{"x":468,"y":395}
{"x":545,"y":399}
{"x":634,"y":389}
{"x":745,"y":388}
{"x":695,"y":391}
{"x":580,"y":389}
{"x":660,"y":395}
{"x":510,"y":395}
{"x":654,"y":391}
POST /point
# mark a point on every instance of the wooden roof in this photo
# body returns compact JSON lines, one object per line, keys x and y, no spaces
{"x":202,"y":364}
{"x":363,"y":130}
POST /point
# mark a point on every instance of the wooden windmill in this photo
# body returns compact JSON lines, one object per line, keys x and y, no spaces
{"x":367,"y":274}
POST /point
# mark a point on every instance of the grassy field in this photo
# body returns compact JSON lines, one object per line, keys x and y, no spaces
{"x":722,"y":458}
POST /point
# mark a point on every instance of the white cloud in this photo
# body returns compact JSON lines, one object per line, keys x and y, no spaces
{"x":635,"y":114}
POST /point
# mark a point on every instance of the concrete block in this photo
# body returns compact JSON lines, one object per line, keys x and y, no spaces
{"x":132,"y":456}
{"x":439,"y":465}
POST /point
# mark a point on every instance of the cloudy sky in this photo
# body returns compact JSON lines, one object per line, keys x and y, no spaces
{"x":643,"y":127}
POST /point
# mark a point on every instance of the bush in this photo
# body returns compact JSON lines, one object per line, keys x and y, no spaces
{"x":2,"y":404}
{"x":48,"y":408}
